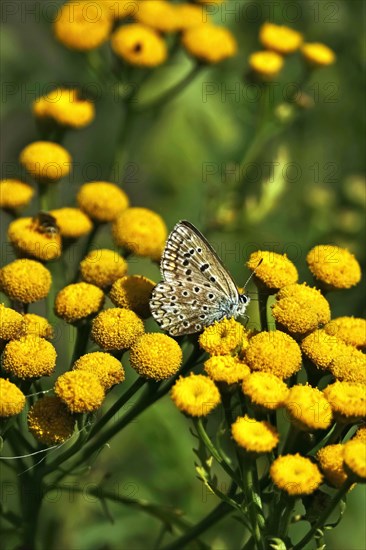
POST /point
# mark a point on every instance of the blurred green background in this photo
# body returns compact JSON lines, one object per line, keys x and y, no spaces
{"x":176,"y":162}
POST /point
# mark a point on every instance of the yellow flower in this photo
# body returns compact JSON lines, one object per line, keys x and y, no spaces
{"x":279,"y":38}
{"x":139,"y":45}
{"x":300,"y":309}
{"x":133,"y":292}
{"x":354,"y":457}
{"x":15,"y":194}
{"x":120,"y":9}
{"x":195,"y":395}
{"x":26,"y":281}
{"x":11,"y":323}
{"x":223,"y":337}
{"x":318,"y":54}
{"x":116,"y":329}
{"x":347,"y":400}
{"x":209,"y":43}
{"x":265,"y":389}
{"x":30,"y":239}
{"x":82,"y":25}
{"x":159,"y":15}
{"x":101,"y":200}
{"x":72,"y":222}
{"x":266,"y":64}
{"x":36,"y":325}
{"x":275,"y":270}
{"x":333,"y":266}
{"x":188,"y":16}
{"x":210,"y":1}
{"x":29,"y":357}
{"x":351,"y":330}
{"x":274,"y":352}
{"x":12,"y":400}
{"x":64,"y":106}
{"x":78,"y":301}
{"x":295,"y":474}
{"x":330,"y":459}
{"x":361,"y":433}
{"x":50,"y":422}
{"x":102,"y":267}
{"x":156,"y":356}
{"x":81,"y":391}
{"x":254,"y":436}
{"x":46,"y":161}
{"x":140,"y":231}
{"x":107,"y":368}
{"x":308,"y":408}
{"x":328,"y":352}
{"x":225,"y":368}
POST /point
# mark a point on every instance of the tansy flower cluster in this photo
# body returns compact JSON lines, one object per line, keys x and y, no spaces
{"x":280,"y":41}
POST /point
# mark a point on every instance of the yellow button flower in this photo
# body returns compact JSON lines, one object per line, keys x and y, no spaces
{"x":102,"y":267}
{"x":280,"y":38}
{"x":295,"y":474}
{"x":300,"y":309}
{"x":318,"y":54}
{"x":254,"y":436}
{"x":120,"y":9}
{"x":12,"y":400}
{"x":140,"y":231}
{"x":11,"y":323}
{"x":133,"y":292}
{"x":347,"y":400}
{"x":159,"y":15}
{"x":272,"y":270}
{"x":15,"y":194}
{"x":116,"y":329}
{"x":101,"y":200}
{"x":223,"y":337}
{"x":274,"y":352}
{"x":195,"y":395}
{"x":361,"y":433}
{"x":81,"y":391}
{"x":354,"y":457}
{"x":156,"y":356}
{"x":351,"y":330}
{"x":225,"y":368}
{"x":78,"y":301}
{"x":188,"y":15}
{"x":139,"y":45}
{"x":50,"y":422}
{"x":26,"y":281}
{"x":265,"y":389}
{"x":36,"y":325}
{"x":308,"y":408}
{"x":72,"y":222}
{"x":82,"y":25}
{"x":64,"y":106}
{"x":31,"y":239}
{"x":334,"y":267}
{"x":46,"y":161}
{"x":349,"y":365}
{"x":266,"y":64}
{"x":330,"y":459}
{"x":29,"y":357}
{"x":107,"y":368}
{"x":209,"y":43}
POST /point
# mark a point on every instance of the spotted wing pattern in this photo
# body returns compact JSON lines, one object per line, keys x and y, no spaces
{"x":197,"y":290}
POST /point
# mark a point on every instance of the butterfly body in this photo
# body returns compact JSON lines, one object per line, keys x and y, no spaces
{"x":196,"y":289}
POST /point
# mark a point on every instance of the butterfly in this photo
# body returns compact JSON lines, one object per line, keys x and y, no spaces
{"x":196,"y":289}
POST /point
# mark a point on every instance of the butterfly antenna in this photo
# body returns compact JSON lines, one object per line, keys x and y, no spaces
{"x":253,"y":273}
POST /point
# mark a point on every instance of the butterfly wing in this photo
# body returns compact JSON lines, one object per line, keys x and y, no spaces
{"x":197,"y":290}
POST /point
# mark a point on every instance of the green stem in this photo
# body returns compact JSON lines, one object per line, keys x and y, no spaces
{"x":319,"y":524}
{"x":214,"y":452}
{"x":262,"y":305}
{"x":126,"y":396}
{"x":58,"y":282}
{"x":172,"y":92}
{"x":217,"y":514}
{"x":86,"y":248}
{"x":291,"y":439}
{"x":254,"y":503}
{"x":31,"y":485}
{"x":82,"y":337}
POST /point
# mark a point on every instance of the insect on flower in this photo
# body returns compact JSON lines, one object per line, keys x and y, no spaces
{"x":46,"y":223}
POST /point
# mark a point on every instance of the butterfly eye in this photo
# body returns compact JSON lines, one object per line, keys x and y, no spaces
{"x":243,"y":298}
